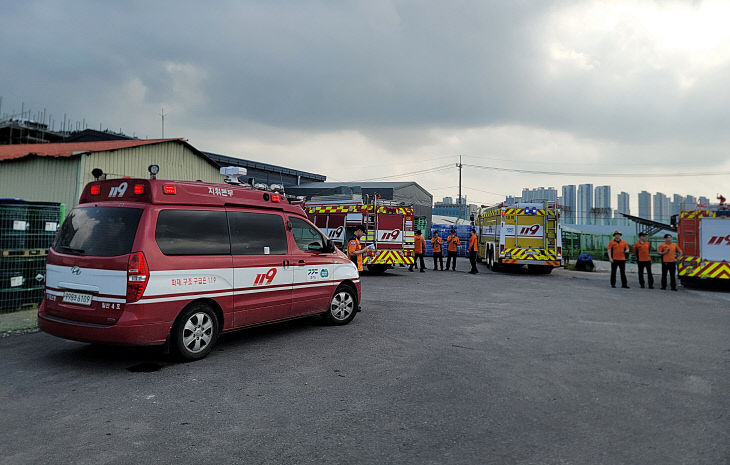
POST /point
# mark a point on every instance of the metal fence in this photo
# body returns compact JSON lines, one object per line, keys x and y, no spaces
{"x":27,"y":230}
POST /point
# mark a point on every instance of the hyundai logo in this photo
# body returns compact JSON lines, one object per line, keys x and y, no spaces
{"x":76,"y":270}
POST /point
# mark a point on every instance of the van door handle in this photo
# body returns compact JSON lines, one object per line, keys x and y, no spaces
{"x":302,"y":262}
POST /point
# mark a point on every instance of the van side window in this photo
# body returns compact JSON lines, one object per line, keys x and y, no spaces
{"x":252,"y":233}
{"x":307,"y":237}
{"x":192,"y":232}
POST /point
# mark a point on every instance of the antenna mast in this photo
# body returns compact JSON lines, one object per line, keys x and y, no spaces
{"x":162,"y":115}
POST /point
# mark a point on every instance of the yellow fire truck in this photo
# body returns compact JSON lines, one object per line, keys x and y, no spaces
{"x":520,"y":234}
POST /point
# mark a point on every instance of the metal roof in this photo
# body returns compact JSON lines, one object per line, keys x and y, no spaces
{"x":364,"y":185}
{"x":69,"y":149}
{"x":224,"y":160}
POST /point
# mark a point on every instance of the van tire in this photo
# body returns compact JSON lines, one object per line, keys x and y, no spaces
{"x":195,"y":332}
{"x":342,"y":307}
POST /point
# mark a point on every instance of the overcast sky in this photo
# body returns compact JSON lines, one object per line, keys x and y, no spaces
{"x":367,"y":89}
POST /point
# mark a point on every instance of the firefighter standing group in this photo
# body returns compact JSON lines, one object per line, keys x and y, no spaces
{"x":618,"y":250}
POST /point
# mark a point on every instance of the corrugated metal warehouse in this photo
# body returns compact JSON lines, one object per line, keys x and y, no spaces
{"x":58,"y":172}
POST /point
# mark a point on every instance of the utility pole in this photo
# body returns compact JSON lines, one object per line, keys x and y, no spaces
{"x":459,"y":165}
{"x":162,"y":115}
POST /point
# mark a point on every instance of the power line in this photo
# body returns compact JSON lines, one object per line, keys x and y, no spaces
{"x":611,"y":175}
{"x":425,"y":171}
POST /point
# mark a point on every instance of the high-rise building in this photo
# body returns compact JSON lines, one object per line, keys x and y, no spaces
{"x":622,"y":201}
{"x":569,"y":206}
{"x":676,"y":204}
{"x":601,"y":212}
{"x":662,"y":208}
{"x":584,"y":203}
{"x":539,"y":194}
{"x":690,"y":203}
{"x":448,"y":201}
{"x":603,"y":197}
{"x":645,"y":205}
{"x":703,"y":200}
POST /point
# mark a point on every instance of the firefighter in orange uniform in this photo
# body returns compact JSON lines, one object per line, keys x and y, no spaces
{"x":617,"y":250}
{"x":453,"y":247}
{"x":419,"y":248}
{"x":669,"y":250}
{"x":438,"y":256}
{"x":473,"y":249}
{"x":354,"y":250}
{"x":642,"y":252}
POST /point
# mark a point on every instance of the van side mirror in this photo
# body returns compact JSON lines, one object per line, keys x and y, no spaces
{"x":329,"y":247}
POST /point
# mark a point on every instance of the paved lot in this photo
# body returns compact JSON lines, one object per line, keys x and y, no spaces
{"x":440,"y":368}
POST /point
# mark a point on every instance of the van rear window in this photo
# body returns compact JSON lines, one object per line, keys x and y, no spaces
{"x":193,"y":232}
{"x":98,"y":231}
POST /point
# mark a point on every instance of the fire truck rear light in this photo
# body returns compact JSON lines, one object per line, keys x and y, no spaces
{"x":275,"y":198}
{"x":502,"y":212}
{"x":501,"y":249}
{"x":95,"y":190}
{"x":137,"y":276}
{"x":560,"y":251}
{"x":139,"y":188}
{"x":168,"y":189}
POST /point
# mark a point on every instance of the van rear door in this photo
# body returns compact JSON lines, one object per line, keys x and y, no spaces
{"x":86,"y":271}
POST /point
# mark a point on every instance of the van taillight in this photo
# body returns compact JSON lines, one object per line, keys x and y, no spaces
{"x":168,"y":189}
{"x":138,"y":274}
{"x":95,"y":190}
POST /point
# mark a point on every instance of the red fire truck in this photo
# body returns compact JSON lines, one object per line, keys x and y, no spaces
{"x":704,"y":237}
{"x":389,"y":228}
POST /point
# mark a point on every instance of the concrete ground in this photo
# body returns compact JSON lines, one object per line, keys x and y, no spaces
{"x":440,"y":368}
{"x":19,"y":320}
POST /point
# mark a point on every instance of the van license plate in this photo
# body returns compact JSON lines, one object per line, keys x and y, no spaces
{"x":76,"y":298}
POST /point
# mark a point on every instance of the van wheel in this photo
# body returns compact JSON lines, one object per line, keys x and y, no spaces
{"x":195,"y":332}
{"x":343,"y":306}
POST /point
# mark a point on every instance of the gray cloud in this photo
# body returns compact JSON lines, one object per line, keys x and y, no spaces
{"x":378,"y":67}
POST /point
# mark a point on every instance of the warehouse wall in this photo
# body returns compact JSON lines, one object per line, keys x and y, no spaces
{"x":51,"y":179}
{"x":40,"y":179}
{"x":176,"y":161}
{"x":422,"y":201}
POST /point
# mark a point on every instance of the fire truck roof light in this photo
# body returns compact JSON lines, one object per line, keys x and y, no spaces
{"x":95,"y":190}
{"x":275,"y":198}
{"x":233,"y":171}
{"x":168,"y":189}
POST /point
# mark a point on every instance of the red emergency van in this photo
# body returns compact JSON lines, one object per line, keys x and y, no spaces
{"x":146,"y":261}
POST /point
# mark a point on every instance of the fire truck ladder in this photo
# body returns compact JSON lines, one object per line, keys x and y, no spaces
{"x":371,"y":221}
{"x":551,"y":225}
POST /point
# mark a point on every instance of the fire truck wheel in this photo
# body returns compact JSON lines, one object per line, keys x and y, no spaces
{"x":343,"y":306}
{"x":495,"y":263}
{"x":195,"y":332}
{"x":377,"y":269}
{"x":540,"y":269}
{"x":489,"y":257}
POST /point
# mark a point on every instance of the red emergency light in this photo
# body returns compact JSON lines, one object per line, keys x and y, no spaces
{"x":95,"y":190}
{"x":168,"y":189}
{"x":139,"y":188}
